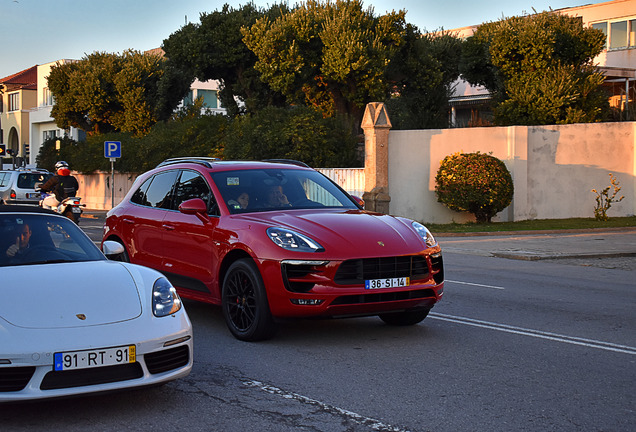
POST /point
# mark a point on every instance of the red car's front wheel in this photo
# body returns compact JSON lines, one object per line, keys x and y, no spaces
{"x":244,"y":302}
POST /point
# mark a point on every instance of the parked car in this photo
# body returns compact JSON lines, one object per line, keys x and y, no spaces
{"x":73,"y":322}
{"x":272,"y":240}
{"x":18,"y":186}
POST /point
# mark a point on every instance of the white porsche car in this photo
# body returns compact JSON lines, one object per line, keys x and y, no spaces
{"x":73,"y":322}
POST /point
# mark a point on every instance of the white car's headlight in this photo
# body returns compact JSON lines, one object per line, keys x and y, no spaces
{"x":425,"y":234}
{"x":291,"y":240}
{"x":165,"y":300}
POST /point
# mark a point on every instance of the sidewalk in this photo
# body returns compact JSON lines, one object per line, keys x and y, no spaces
{"x":533,"y":246}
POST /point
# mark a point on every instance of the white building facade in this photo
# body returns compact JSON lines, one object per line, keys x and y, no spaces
{"x":41,"y":125}
{"x":616,"y":18}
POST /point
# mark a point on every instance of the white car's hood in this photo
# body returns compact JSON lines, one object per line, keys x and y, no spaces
{"x":68,"y":295}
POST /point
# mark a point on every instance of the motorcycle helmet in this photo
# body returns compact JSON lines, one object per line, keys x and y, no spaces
{"x":61,"y":167}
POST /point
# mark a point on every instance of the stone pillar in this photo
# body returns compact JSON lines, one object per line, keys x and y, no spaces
{"x":376,"y":126}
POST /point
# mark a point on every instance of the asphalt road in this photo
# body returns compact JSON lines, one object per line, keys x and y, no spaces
{"x":524,"y":345}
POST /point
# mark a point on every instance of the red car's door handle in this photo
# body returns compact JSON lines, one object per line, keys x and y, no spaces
{"x":168,"y":227}
{"x":129,"y":221}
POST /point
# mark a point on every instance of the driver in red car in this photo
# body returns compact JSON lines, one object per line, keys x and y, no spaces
{"x":274,"y":197}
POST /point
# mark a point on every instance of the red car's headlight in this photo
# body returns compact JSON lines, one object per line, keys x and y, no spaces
{"x":425,"y":234}
{"x":291,"y":240}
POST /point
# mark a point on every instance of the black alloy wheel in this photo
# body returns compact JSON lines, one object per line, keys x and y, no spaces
{"x":244,"y":303}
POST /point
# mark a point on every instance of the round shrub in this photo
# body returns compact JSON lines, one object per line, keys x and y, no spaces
{"x":474,"y":182}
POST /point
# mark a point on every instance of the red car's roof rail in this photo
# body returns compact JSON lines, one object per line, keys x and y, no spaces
{"x":287,"y":161}
{"x":205,"y":161}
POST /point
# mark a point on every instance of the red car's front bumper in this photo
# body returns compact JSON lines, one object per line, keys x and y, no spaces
{"x":311,"y":289}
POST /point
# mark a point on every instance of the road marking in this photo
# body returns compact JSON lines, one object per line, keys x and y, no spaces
{"x":590,"y":343}
{"x":360,"y":419}
{"x":475,"y":284}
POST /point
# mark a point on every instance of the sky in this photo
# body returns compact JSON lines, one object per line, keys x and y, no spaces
{"x":36,"y":32}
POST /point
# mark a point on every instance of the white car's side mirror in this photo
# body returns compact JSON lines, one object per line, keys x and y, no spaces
{"x":112,"y":248}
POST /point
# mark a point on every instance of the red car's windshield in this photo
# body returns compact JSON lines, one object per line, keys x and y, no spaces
{"x":276,"y":189}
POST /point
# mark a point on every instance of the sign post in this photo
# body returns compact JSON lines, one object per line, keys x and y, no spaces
{"x":112,"y":150}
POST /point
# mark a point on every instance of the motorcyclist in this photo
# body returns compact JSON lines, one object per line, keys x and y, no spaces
{"x":62,"y":185}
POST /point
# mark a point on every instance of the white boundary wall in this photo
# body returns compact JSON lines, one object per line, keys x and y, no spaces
{"x":554,"y":168}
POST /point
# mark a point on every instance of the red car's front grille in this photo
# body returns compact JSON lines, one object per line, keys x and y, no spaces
{"x":356,"y":271}
{"x":384,"y":297}
{"x":437,"y":263}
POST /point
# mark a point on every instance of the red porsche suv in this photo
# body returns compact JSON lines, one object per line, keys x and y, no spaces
{"x":275,"y":239}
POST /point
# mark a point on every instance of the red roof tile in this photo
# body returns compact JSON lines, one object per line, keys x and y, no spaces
{"x":26,"y":79}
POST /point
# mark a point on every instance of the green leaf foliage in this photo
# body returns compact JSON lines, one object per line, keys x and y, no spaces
{"x":299,"y":133}
{"x":214,"y":50}
{"x":423,"y":72}
{"x":104,"y":93}
{"x":332,"y":55}
{"x":538,"y":69}
{"x":474,"y":182}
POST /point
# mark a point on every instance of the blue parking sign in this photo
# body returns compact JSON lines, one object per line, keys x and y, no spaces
{"x":112,"y":149}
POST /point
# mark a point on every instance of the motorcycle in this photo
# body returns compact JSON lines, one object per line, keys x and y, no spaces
{"x":70,"y":207}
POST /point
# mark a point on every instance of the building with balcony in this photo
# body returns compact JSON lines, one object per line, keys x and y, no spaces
{"x":25,"y":110}
{"x":18,"y":96}
{"x":617,"y":19}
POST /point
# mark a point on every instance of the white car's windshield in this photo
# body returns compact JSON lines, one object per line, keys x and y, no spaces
{"x":42,"y":239}
{"x":276,"y":189}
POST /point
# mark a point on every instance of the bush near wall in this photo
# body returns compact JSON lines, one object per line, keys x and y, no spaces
{"x":474,"y":182}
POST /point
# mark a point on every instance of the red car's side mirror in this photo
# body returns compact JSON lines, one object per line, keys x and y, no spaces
{"x":197,"y":207}
{"x":358,"y":200}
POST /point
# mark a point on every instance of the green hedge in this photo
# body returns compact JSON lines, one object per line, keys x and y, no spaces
{"x":297,"y":133}
{"x":474,"y":182}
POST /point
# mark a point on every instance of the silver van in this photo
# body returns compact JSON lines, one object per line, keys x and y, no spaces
{"x":18,"y":186}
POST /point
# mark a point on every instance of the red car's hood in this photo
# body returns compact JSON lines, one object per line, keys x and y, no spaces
{"x":347,"y":233}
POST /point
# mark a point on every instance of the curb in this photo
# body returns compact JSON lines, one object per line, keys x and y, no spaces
{"x":535,"y":232}
{"x":536,"y":257}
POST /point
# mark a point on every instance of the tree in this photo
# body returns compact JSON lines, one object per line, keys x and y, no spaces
{"x":299,"y":133}
{"x":423,"y":72}
{"x":114,"y":93}
{"x":330,"y":55}
{"x":538,"y":69}
{"x":214,"y":50}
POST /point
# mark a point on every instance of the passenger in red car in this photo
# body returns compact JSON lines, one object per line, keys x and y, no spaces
{"x":243,"y":200}
{"x":240,"y":202}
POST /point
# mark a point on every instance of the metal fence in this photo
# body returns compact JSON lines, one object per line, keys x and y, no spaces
{"x":350,"y":179}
